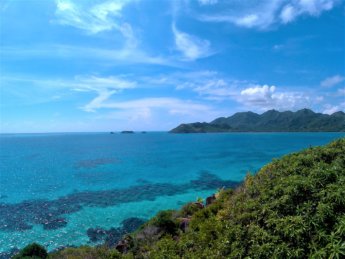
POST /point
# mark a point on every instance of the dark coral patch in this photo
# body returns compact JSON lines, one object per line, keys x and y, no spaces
{"x":111,"y":236}
{"x":9,"y":254}
{"x":55,"y":224}
{"x":49,"y":213}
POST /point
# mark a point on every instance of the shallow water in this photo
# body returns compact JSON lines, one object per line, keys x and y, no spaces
{"x":54,"y":187}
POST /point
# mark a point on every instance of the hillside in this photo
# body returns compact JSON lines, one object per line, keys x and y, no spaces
{"x":271,"y":121}
{"x":293,"y":207}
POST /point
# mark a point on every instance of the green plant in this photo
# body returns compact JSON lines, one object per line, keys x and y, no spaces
{"x":32,"y":251}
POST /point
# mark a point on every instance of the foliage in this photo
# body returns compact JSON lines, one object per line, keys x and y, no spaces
{"x":32,"y":251}
{"x":87,"y":252}
{"x":165,"y":221}
{"x":189,"y":209}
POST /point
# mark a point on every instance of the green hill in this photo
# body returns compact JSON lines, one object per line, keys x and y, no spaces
{"x":270,"y":121}
{"x":293,"y":207}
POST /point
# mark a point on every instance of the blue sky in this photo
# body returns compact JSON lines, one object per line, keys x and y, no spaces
{"x":151,"y":64}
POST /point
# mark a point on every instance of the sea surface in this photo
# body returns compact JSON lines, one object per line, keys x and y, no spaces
{"x":59,"y":189}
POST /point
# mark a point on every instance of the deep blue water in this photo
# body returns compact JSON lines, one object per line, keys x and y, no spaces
{"x":54,"y":187}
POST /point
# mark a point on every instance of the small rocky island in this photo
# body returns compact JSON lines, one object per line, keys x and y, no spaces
{"x":127,"y":132}
{"x":304,"y":120}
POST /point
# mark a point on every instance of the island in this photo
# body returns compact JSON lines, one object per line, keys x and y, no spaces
{"x":304,"y":120}
{"x":127,"y":132}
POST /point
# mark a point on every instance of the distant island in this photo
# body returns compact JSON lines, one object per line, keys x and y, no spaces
{"x":304,"y":120}
{"x":127,"y":132}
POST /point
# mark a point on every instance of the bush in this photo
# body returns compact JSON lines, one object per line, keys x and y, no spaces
{"x":87,"y":252}
{"x":165,"y":221}
{"x":189,"y":209}
{"x":32,"y":251}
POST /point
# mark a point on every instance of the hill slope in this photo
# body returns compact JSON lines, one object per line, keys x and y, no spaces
{"x":293,"y":207}
{"x":270,"y":121}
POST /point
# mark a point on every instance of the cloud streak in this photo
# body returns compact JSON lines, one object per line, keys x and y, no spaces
{"x":265,"y":14}
{"x":91,"y":18}
{"x":191,"y":46}
{"x":58,"y":51}
{"x":332,"y":81}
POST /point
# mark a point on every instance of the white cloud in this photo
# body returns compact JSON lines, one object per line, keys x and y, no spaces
{"x":264,"y":97}
{"x":249,"y":20}
{"x":288,"y":14}
{"x":249,"y":14}
{"x":92,"y":18}
{"x":191,"y":46}
{"x":259,"y":92}
{"x":212,"y":86}
{"x":330,"y":109}
{"x":264,"y":14}
{"x":207,"y":84}
{"x":332,"y":81}
{"x":315,"y":7}
{"x":305,"y":7}
{"x":104,"y":87}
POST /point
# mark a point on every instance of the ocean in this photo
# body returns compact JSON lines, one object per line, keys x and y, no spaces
{"x":58,"y":189}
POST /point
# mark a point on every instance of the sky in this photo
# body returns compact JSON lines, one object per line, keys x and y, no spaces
{"x":111,"y":65}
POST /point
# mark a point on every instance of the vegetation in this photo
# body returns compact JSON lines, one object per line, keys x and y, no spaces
{"x":300,"y":121}
{"x":34,"y":251}
{"x":293,"y":207}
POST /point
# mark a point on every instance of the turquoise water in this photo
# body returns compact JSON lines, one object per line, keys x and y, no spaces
{"x":54,"y":187}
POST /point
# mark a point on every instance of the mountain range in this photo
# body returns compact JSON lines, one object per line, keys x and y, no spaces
{"x":304,"y":120}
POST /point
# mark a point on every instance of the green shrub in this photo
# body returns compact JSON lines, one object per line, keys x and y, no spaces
{"x":32,"y":251}
{"x":165,"y":221}
{"x":83,"y":252}
{"x":189,"y":209}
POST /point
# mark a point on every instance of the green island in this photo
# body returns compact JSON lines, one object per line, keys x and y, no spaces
{"x":304,"y":120}
{"x":294,"y":207}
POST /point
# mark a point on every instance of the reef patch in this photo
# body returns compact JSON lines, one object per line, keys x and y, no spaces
{"x":50,"y":213}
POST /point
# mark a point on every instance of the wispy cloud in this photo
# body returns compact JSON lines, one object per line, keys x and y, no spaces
{"x":214,"y":87}
{"x":209,"y":94}
{"x":93,"y":18}
{"x":288,"y":13}
{"x":104,"y":87}
{"x":332,"y":81}
{"x":331,"y":108}
{"x":89,"y":17}
{"x":191,"y":46}
{"x":121,"y":56}
{"x":158,"y":113}
{"x":264,"y":14}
